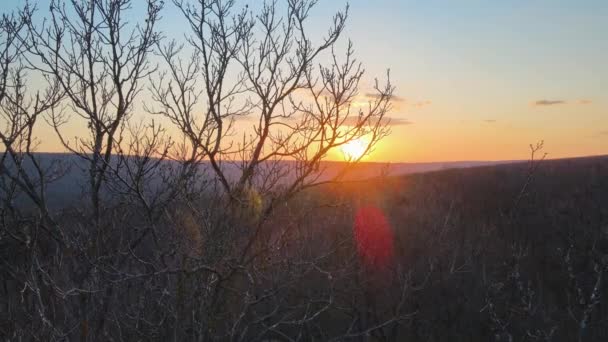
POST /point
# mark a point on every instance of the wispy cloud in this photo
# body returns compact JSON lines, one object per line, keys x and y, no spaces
{"x":490,"y":121}
{"x":399,"y":122}
{"x":560,"y":102}
{"x":604,"y":133}
{"x":399,"y":102}
{"x":548,"y":102}
{"x":350,"y":121}
{"x":376,"y":96}
{"x":363,"y":100}
{"x":390,"y":121}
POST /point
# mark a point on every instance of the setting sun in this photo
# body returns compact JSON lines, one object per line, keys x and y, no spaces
{"x":354,"y":149}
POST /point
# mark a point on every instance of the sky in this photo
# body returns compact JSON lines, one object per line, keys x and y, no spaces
{"x":477,"y":79}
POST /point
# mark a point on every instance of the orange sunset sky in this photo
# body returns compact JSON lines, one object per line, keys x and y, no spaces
{"x":475,"y":79}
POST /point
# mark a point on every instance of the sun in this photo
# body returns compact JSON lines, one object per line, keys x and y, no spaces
{"x":354,"y":149}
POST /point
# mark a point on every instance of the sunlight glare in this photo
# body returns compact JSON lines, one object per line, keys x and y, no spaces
{"x":354,"y":149}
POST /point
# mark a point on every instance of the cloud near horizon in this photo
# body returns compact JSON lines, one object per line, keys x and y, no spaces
{"x":399,"y":103}
{"x":349,"y":121}
{"x":548,"y":102}
{"x":376,"y":96}
{"x":559,"y":102}
{"x":390,"y":121}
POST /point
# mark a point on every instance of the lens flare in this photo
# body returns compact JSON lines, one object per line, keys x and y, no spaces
{"x":374,"y":238}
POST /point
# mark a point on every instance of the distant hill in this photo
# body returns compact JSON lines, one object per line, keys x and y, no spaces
{"x":67,"y":189}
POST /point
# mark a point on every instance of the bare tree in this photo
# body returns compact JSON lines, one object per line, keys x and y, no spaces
{"x":173,"y":254}
{"x":255,"y":67}
{"x":99,"y":59}
{"x":20,"y":110}
{"x":263,"y":67}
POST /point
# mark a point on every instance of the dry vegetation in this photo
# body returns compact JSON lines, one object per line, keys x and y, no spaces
{"x":156,"y":249}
